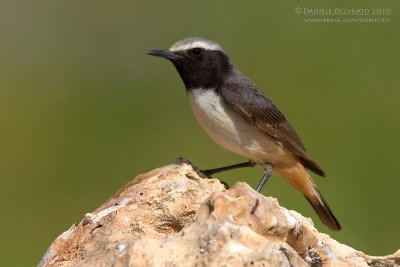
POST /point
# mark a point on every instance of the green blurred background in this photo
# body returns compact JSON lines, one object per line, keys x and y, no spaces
{"x":83,"y":109}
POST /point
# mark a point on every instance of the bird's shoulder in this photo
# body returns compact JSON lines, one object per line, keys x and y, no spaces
{"x":243,"y":94}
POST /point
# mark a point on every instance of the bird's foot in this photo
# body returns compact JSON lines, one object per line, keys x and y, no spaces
{"x":205,"y":174}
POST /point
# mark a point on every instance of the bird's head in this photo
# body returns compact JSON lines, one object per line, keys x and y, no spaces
{"x":201,"y":63}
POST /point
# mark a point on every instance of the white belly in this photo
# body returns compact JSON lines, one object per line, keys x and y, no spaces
{"x":229,"y":130}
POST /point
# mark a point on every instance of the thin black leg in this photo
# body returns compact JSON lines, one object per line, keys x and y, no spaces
{"x":210,"y":172}
{"x":267,"y":173}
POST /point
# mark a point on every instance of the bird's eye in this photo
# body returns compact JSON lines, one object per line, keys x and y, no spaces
{"x":195,"y":51}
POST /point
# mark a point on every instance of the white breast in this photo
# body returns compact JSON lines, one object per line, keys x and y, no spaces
{"x":228,"y":129}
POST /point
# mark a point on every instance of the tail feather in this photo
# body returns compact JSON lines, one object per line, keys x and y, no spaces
{"x":323,"y":211}
{"x":300,"y":179}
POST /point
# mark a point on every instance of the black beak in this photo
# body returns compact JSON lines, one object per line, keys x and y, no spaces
{"x":165,"y":54}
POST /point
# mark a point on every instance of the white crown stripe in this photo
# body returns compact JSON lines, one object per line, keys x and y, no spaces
{"x":183,"y":46}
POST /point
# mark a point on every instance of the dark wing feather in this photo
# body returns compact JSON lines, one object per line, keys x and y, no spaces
{"x":259,"y":110}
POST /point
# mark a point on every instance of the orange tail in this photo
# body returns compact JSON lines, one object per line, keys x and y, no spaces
{"x":298,"y":177}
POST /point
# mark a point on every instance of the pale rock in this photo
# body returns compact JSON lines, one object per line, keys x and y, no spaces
{"x":172,"y":217}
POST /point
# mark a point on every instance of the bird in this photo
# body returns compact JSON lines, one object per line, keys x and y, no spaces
{"x":242,"y":119}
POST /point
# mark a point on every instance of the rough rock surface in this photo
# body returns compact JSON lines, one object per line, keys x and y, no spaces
{"x":172,"y":217}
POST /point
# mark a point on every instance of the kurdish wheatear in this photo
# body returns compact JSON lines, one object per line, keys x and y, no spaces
{"x":242,"y":119}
